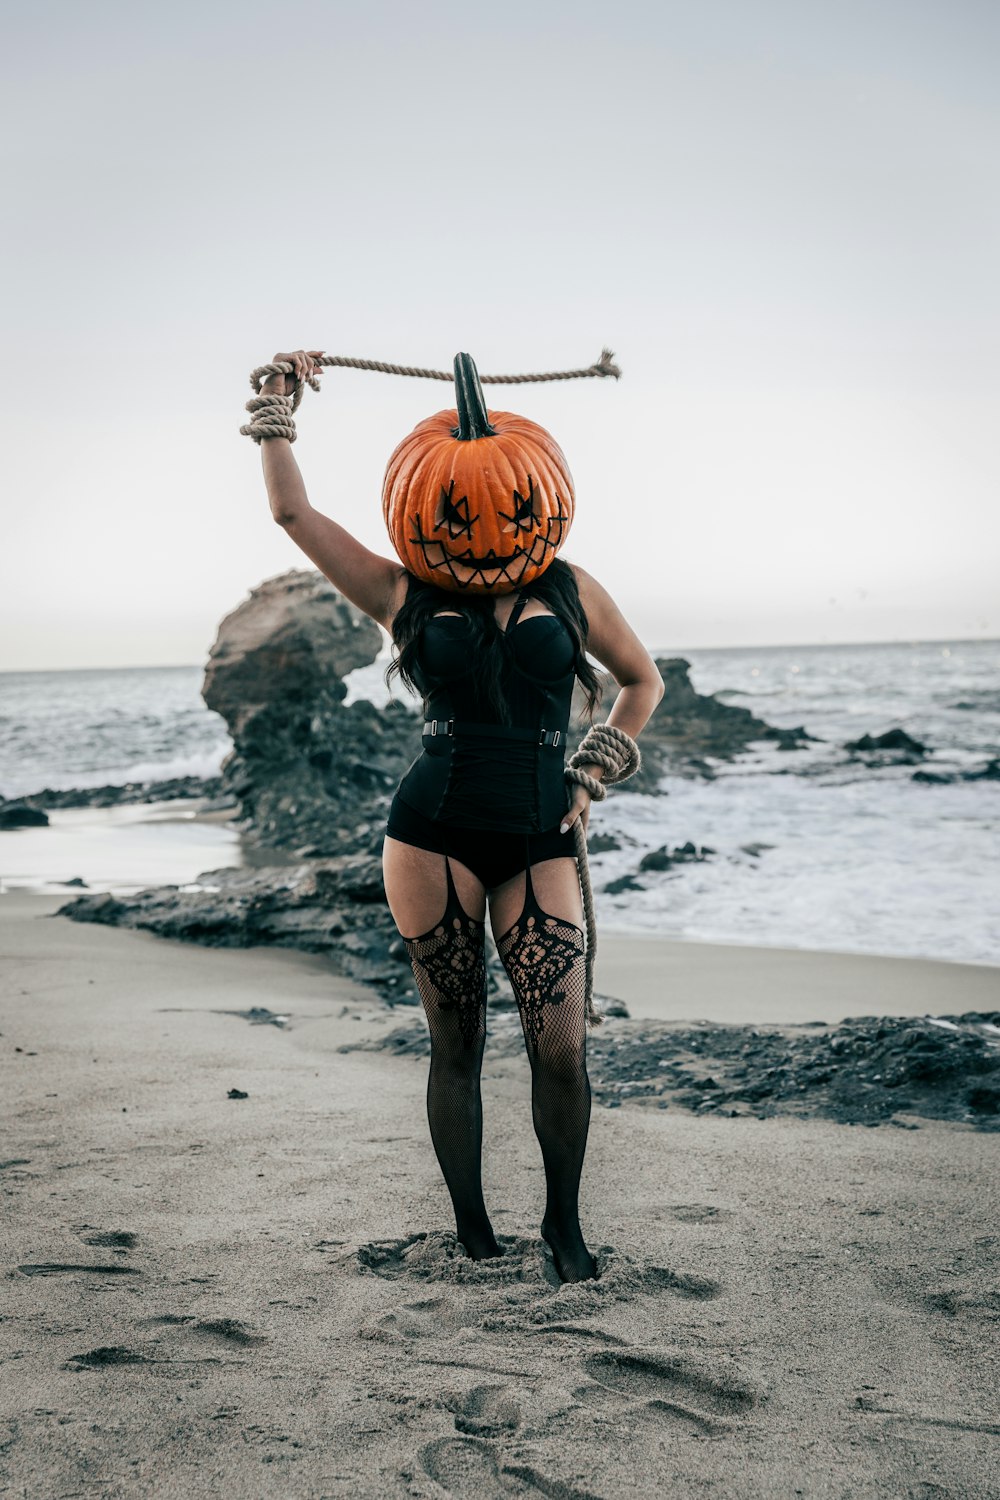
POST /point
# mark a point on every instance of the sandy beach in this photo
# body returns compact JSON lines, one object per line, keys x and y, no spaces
{"x":208,"y":1294}
{"x":667,"y":980}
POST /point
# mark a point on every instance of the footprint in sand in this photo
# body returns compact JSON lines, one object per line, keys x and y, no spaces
{"x":982,"y":1305}
{"x":485,"y":1411}
{"x":670,"y":1385}
{"x":64,"y":1268}
{"x":572,"y":1330}
{"x":230,"y":1330}
{"x":465,"y":1466}
{"x":681,"y":1283}
{"x":417,"y":1320}
{"x":106,"y":1355}
{"x":461,"y":1466}
{"x":112,"y":1239}
{"x":404,"y":1257}
{"x":697,"y":1213}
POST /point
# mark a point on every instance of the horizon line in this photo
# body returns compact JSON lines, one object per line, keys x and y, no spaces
{"x":949,"y":640}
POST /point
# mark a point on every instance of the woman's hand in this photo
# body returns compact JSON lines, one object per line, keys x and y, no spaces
{"x":578,"y":808}
{"x":304,"y":361}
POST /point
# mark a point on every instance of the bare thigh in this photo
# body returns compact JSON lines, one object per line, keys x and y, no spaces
{"x":556,"y":884}
{"x":416,"y":887}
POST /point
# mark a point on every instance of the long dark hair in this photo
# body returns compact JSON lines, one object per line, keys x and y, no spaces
{"x":556,"y":588}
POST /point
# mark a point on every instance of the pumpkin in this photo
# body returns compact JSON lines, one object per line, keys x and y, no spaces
{"x":476,"y":500}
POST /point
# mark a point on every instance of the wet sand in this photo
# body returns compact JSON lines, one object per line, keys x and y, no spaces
{"x":207,"y":1295}
{"x":666,"y":980}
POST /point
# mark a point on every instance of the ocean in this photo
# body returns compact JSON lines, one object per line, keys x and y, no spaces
{"x":808,"y":849}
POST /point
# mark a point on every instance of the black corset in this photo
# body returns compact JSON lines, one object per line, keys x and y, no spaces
{"x":500,"y":775}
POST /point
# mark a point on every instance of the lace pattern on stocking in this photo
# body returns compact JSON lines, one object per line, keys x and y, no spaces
{"x":450,"y":967}
{"x":542,"y":955}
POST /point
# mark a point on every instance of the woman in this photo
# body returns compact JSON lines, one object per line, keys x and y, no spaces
{"x":483,"y":816}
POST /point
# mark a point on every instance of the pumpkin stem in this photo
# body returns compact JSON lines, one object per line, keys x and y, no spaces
{"x":472,"y":419}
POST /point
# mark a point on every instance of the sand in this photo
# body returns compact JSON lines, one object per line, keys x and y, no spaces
{"x":260,"y":1296}
{"x":666,"y":980}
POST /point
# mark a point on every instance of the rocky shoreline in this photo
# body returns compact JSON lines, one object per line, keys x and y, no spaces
{"x":868,"y":1070}
{"x":307,"y":785}
{"x":309,"y":779}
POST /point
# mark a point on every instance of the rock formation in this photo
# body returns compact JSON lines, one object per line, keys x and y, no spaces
{"x":334,"y":906}
{"x":309,"y":779}
{"x":306,"y":771}
{"x":207,"y":789}
{"x":21,"y":813}
{"x":868,"y":1070}
{"x":690,"y":728}
{"x":895,"y":747}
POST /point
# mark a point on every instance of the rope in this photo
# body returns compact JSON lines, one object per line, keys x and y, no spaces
{"x":617,"y":754}
{"x":271,"y":414}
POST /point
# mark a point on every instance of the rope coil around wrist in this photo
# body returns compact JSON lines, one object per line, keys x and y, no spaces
{"x":271,"y":413}
{"x":618,"y":756}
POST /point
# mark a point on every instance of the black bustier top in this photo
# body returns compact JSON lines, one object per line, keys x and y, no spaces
{"x":475,"y":770}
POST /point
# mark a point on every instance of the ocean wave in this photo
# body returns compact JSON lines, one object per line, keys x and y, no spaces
{"x":874,"y":866}
{"x":203,"y":763}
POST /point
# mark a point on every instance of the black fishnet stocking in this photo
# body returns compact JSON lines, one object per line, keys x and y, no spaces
{"x":450,"y":970}
{"x":544,"y":957}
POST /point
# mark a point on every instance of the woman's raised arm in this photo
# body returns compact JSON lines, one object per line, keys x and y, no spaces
{"x":375,"y":584}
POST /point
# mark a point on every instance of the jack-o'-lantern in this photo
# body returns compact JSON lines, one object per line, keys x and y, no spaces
{"x":477,"y":500}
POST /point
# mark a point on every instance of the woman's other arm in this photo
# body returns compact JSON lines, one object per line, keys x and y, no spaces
{"x":616,"y":646}
{"x":375,"y":584}
{"x":611,"y":639}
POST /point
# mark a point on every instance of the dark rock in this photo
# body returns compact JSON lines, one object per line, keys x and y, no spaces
{"x":756,"y":850}
{"x":894,"y":741}
{"x":21,"y":815}
{"x":201,"y":787}
{"x":77,"y":881}
{"x":985,"y":700}
{"x":666,"y":859}
{"x":258,"y":1015}
{"x":405,"y":1041}
{"x":305,"y":770}
{"x":237,"y":1094}
{"x":989,"y":772}
{"x":945,"y":1068}
{"x":328,"y":907}
{"x":688,"y":726}
{"x":102,"y":908}
{"x":623,"y":883}
{"x":600,"y":843}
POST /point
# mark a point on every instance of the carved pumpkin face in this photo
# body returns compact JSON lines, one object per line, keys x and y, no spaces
{"x":477,"y":500}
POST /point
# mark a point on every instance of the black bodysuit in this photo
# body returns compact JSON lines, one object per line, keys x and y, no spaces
{"x":489,"y":794}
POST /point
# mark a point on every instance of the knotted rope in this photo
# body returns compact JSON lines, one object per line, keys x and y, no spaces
{"x":618,"y":756}
{"x":271,"y":413}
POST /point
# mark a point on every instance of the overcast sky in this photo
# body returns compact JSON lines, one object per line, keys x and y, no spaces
{"x":782,"y":215}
